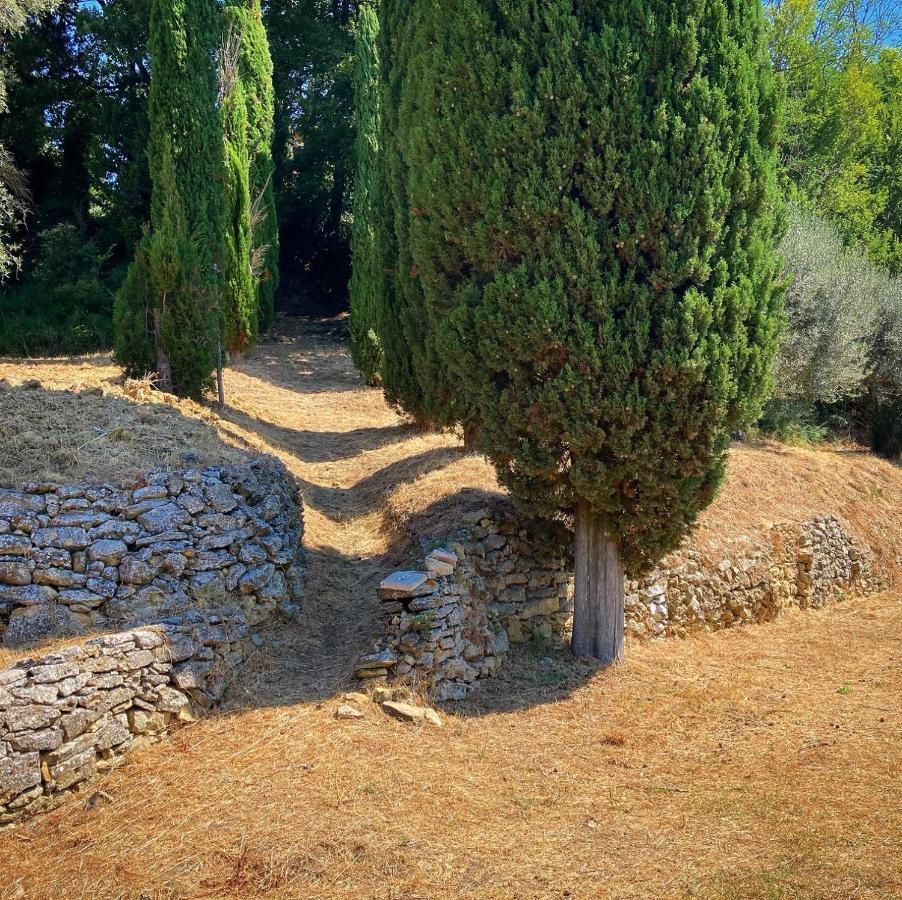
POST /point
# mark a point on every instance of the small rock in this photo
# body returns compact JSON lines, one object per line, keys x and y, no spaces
{"x":356,"y":697}
{"x":407,"y":712}
{"x":345,"y":711}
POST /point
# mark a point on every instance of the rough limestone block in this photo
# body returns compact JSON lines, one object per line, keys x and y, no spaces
{"x":402,"y":585}
{"x":19,"y":773}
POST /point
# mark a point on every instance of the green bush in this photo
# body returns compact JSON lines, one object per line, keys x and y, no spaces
{"x":65,"y":304}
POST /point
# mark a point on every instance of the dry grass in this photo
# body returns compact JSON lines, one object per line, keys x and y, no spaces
{"x":762,"y":762}
{"x":72,"y":421}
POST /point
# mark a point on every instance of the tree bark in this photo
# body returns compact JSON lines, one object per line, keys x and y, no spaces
{"x":598,"y":613}
{"x":164,"y":367}
{"x":220,"y":387}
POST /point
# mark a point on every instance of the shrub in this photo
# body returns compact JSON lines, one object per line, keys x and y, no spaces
{"x":833,"y":295}
{"x":885,"y":396}
{"x":64,"y":305}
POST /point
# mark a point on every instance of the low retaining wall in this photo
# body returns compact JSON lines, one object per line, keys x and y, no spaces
{"x":68,"y":716}
{"x":94,"y":556}
{"x":449,"y":625}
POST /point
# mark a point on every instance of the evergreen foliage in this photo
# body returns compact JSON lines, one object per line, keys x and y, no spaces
{"x":239,"y":310}
{"x":13,"y":186}
{"x":367,"y":278}
{"x":133,"y":315}
{"x":407,"y":376}
{"x":255,"y":70}
{"x":185,"y":250}
{"x":592,"y":216}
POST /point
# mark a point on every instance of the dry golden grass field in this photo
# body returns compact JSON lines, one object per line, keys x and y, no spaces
{"x":762,"y":762}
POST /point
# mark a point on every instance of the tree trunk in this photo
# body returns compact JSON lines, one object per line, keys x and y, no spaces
{"x":220,"y":387}
{"x":164,"y":367}
{"x":598,"y":614}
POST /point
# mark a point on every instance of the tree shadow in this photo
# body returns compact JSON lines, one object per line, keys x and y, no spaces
{"x":315,"y":661}
{"x":307,"y":356}
{"x":89,"y":435}
{"x":319,"y":446}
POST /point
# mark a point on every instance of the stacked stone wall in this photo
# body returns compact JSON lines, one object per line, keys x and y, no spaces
{"x":497,"y":582}
{"x":94,"y":556}
{"x":68,"y":716}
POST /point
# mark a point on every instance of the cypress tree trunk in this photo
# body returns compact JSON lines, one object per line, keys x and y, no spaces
{"x":598,"y":613}
{"x":164,"y":367}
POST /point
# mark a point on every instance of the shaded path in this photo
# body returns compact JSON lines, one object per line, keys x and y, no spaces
{"x":301,"y":399}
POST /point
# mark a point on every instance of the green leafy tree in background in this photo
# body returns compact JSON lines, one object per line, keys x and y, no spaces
{"x":594,"y":213}
{"x":239,"y":299}
{"x":14,"y":195}
{"x":368,"y":276}
{"x":842,"y":94}
{"x":185,"y":251}
{"x":255,"y":70}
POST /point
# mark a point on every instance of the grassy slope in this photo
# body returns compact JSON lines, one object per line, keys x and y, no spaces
{"x":763,"y":762}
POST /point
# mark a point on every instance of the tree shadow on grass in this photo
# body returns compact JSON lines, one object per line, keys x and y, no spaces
{"x":315,"y":661}
{"x":315,"y":446}
{"x":307,"y":357}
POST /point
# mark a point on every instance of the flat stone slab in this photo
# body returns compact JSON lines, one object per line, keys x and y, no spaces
{"x":443,"y":556}
{"x":407,"y":712}
{"x":384,"y":660}
{"x":402,"y":585}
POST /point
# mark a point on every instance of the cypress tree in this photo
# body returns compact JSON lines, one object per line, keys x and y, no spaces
{"x":175,"y":300}
{"x":239,"y":301}
{"x":595,"y":245}
{"x":402,"y":327}
{"x":255,"y":71}
{"x":368,"y":276}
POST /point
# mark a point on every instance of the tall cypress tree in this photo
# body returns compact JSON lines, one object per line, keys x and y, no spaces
{"x":596,"y":220}
{"x":239,"y":300}
{"x":255,"y":71}
{"x":368,"y":276}
{"x":400,"y":319}
{"x":174,"y":304}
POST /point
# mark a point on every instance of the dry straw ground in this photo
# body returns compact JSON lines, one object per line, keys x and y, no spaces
{"x":762,"y":762}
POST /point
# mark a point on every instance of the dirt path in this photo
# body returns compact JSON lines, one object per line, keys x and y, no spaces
{"x":301,"y":399}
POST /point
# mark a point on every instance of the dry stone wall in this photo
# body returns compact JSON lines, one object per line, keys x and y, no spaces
{"x":95,"y":556}
{"x":185,"y":562}
{"x":496,"y":582}
{"x":73,"y":714}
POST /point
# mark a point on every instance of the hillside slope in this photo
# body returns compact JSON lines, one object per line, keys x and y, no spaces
{"x":760,"y":762}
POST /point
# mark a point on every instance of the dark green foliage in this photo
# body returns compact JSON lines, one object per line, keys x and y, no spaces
{"x":78,"y":125}
{"x":238,"y":305}
{"x":368,"y":277}
{"x":591,"y":221}
{"x":400,"y":319}
{"x":64,"y":307}
{"x":885,"y":387}
{"x":186,"y":244}
{"x":255,"y":71}
{"x":183,"y":304}
{"x":312,"y":46}
{"x":133,"y":315}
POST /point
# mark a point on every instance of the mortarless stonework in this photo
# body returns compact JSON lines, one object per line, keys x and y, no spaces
{"x":72,"y":714}
{"x":94,"y":556}
{"x":185,"y":561}
{"x":450,"y":625}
